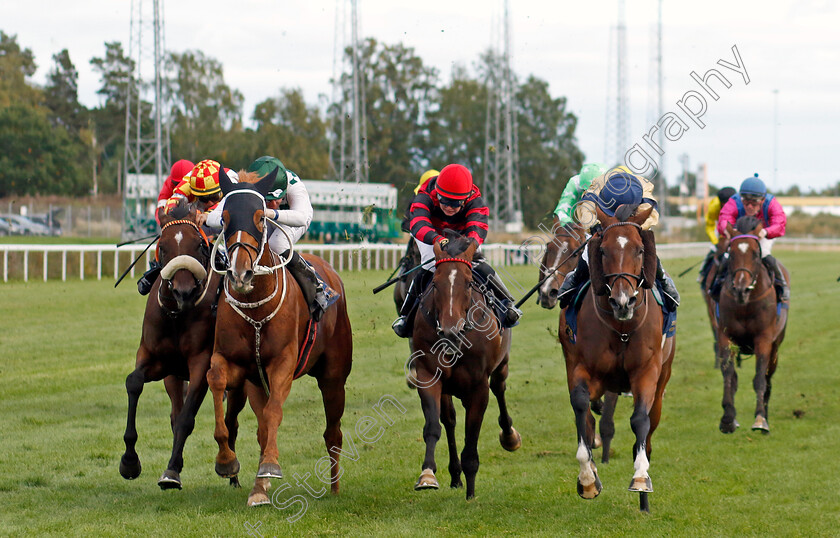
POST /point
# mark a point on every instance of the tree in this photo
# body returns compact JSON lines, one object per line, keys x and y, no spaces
{"x":16,"y":65}
{"x":62,"y":95}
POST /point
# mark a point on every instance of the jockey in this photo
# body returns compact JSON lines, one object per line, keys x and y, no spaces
{"x":178,"y":171}
{"x":753,"y":200}
{"x":610,"y":191}
{"x":288,"y":204}
{"x":452,"y":201}
{"x":712,"y":215}
{"x":575,"y":188}
{"x":199,"y":185}
{"x":406,"y":222}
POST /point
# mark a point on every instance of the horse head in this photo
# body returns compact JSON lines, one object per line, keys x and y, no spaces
{"x":452,"y":282}
{"x":745,"y":267}
{"x":184,"y":253}
{"x":557,"y":262}
{"x":244,"y":227}
{"x":622,"y":260}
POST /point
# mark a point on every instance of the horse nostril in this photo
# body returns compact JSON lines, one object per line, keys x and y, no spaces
{"x":248,"y":276}
{"x":553,"y":293}
{"x":613,"y":303}
{"x":632,"y":301}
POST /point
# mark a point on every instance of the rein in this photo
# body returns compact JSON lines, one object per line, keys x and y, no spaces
{"x":640,"y":278}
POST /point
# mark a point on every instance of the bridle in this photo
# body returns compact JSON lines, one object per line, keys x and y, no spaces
{"x":640,"y":278}
{"x":553,"y":271}
{"x":752,"y":275}
{"x":185,"y":258}
{"x":434,"y":320}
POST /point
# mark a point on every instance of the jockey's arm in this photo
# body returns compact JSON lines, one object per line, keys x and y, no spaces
{"x":300,"y":207}
{"x":712,"y":215}
{"x":728,"y":215}
{"x":777,"y":219}
{"x":421,"y":221}
{"x":571,"y":194}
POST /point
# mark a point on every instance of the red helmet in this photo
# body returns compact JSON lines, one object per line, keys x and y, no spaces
{"x":180,"y":169}
{"x":454,"y":181}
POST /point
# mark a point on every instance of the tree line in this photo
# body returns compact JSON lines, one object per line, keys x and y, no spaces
{"x":52,"y":144}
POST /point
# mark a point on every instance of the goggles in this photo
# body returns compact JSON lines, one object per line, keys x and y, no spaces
{"x":753,"y":198}
{"x":450,"y":202}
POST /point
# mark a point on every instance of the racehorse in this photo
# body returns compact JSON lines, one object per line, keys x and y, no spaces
{"x":459,"y":344}
{"x":261,"y":335}
{"x":705,"y":290}
{"x":560,"y":258}
{"x":619,"y":344}
{"x":177,"y":339}
{"x":751,"y":319}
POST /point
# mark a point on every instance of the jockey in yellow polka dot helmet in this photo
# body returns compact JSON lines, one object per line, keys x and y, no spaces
{"x":202,"y":185}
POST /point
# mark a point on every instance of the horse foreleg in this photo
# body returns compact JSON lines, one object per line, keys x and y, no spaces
{"x":269,"y":423}
{"x":475,"y":404}
{"x":606,"y":425}
{"x":728,"y":424}
{"x":430,"y":398}
{"x":761,"y":386}
{"x":447,"y":416}
{"x":185,"y":422}
{"x":175,"y":390}
{"x":644,"y":389}
{"x":226,"y":463}
{"x":508,"y":437}
{"x":588,"y":483}
{"x":130,"y":467}
{"x":235,"y":402}
{"x":332,"y":393}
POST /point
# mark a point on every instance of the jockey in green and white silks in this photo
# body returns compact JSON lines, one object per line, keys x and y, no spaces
{"x":574,"y":190}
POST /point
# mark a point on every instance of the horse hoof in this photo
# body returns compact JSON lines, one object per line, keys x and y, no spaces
{"x":597,"y":443}
{"x":761,"y":425}
{"x":170,"y":480}
{"x":510,"y":442}
{"x":258,"y":499}
{"x":228,"y":470}
{"x":589,"y":491}
{"x":130,"y":468}
{"x":427,"y":480}
{"x":269,"y":470}
{"x":456,"y":484}
{"x":641,"y":484}
{"x":234,"y":481}
{"x":729,"y":427}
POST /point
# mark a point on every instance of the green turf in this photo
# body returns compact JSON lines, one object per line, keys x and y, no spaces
{"x":67,"y":347}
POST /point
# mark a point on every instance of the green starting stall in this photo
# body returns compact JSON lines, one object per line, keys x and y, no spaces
{"x":139,"y":201}
{"x":350,"y":212}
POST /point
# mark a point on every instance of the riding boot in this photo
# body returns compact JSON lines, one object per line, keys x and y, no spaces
{"x":720,"y":277}
{"x":782,"y":288}
{"x":310,"y":285}
{"x":500,"y":291}
{"x":144,"y":285}
{"x":402,"y":325}
{"x":705,"y":268}
{"x":671,"y":296}
{"x":574,"y":280}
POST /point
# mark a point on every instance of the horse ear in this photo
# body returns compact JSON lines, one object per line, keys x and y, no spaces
{"x":224,"y":181}
{"x":603,"y":218}
{"x":163,"y":217}
{"x":650,"y":261}
{"x":758,"y":228}
{"x":640,"y":217}
{"x":264,"y":185}
{"x":469,"y":252}
{"x":596,"y":268}
{"x":437,"y":249}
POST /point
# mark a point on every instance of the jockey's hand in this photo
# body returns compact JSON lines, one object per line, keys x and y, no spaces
{"x":443,"y":242}
{"x":201,"y":218}
{"x":762,"y":233}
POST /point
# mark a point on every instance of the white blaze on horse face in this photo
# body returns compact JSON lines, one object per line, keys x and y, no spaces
{"x":178,"y":237}
{"x":641,"y":464}
{"x":452,"y":276}
{"x":743,"y":248}
{"x":586,"y":476}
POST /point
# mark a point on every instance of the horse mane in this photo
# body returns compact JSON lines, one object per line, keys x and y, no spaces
{"x":248,"y":177}
{"x":457,"y":243}
{"x":746,"y":224}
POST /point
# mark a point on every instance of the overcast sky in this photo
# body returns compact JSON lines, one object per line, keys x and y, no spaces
{"x":789,"y":46}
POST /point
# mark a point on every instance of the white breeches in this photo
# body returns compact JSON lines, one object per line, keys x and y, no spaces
{"x":279,"y":243}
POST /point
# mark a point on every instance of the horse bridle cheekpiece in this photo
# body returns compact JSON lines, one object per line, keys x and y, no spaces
{"x":640,"y":278}
{"x":753,"y":276}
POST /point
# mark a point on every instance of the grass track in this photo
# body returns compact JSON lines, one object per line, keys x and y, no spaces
{"x":65,"y":349}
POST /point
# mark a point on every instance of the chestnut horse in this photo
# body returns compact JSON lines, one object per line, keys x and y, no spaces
{"x":459,"y":345}
{"x":177,"y":339}
{"x":619,"y":345}
{"x":261,"y":328}
{"x":750,"y":319}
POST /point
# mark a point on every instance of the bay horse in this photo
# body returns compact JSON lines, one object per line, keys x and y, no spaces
{"x":459,"y":344}
{"x":705,"y":290}
{"x":620,"y":345}
{"x":177,"y":339}
{"x":750,"y":319}
{"x":561,"y":258}
{"x":261,"y":328}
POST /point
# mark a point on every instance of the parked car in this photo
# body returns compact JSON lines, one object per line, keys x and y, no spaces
{"x":26,"y":226}
{"x":8,"y":228}
{"x":50,"y":220}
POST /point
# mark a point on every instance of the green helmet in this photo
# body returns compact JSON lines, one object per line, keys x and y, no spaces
{"x":590,"y":171}
{"x":264,"y":166}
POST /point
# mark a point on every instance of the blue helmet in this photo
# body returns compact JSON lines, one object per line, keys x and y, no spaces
{"x":620,"y":189}
{"x":753,"y":186}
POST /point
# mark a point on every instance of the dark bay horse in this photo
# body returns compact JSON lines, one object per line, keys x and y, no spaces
{"x":177,"y":339}
{"x":261,"y":329}
{"x":459,"y":345}
{"x":705,"y":290}
{"x":619,"y":345}
{"x":750,"y":319}
{"x":560,"y":258}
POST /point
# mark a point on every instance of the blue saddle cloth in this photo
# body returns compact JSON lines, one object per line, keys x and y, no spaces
{"x":669,"y":319}
{"x":779,"y":306}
